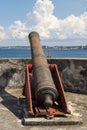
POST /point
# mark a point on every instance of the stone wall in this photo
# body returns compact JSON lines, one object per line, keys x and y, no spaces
{"x":73,"y":73}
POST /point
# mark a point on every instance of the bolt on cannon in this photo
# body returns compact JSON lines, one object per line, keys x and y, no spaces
{"x":45,"y":96}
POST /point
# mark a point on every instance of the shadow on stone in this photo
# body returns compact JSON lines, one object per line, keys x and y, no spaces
{"x":8,"y":100}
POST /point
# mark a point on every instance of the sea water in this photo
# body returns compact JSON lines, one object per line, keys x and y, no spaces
{"x":53,"y":53}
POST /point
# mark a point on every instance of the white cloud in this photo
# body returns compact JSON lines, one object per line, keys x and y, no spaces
{"x":2,"y":33}
{"x":43,"y":20}
{"x":49,"y":26}
{"x":72,"y":27}
{"x":18,"y":30}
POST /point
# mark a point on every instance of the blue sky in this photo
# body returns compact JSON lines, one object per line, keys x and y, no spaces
{"x":59,"y":22}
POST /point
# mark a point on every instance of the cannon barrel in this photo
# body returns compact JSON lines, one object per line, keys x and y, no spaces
{"x":45,"y":90}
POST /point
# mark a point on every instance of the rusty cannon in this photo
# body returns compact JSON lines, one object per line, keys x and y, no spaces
{"x":43,"y":88}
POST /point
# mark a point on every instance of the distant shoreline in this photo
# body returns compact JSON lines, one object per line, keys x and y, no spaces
{"x":15,"y":47}
{"x":46,"y":47}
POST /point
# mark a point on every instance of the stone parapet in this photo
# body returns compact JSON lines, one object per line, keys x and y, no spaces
{"x":73,"y":73}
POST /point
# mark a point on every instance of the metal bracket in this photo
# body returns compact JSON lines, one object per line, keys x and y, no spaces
{"x":59,"y":107}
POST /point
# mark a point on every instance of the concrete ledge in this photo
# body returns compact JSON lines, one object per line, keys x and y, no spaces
{"x":55,"y":121}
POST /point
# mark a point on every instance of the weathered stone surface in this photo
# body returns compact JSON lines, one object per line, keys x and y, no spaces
{"x":73,"y":73}
{"x":12,"y":73}
{"x":11,"y":112}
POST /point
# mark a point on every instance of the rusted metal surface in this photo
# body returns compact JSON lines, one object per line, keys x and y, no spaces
{"x":59,"y":106}
{"x":45,"y":90}
{"x":43,"y":87}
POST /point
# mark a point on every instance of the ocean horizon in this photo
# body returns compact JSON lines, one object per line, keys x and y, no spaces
{"x":52,"y":53}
